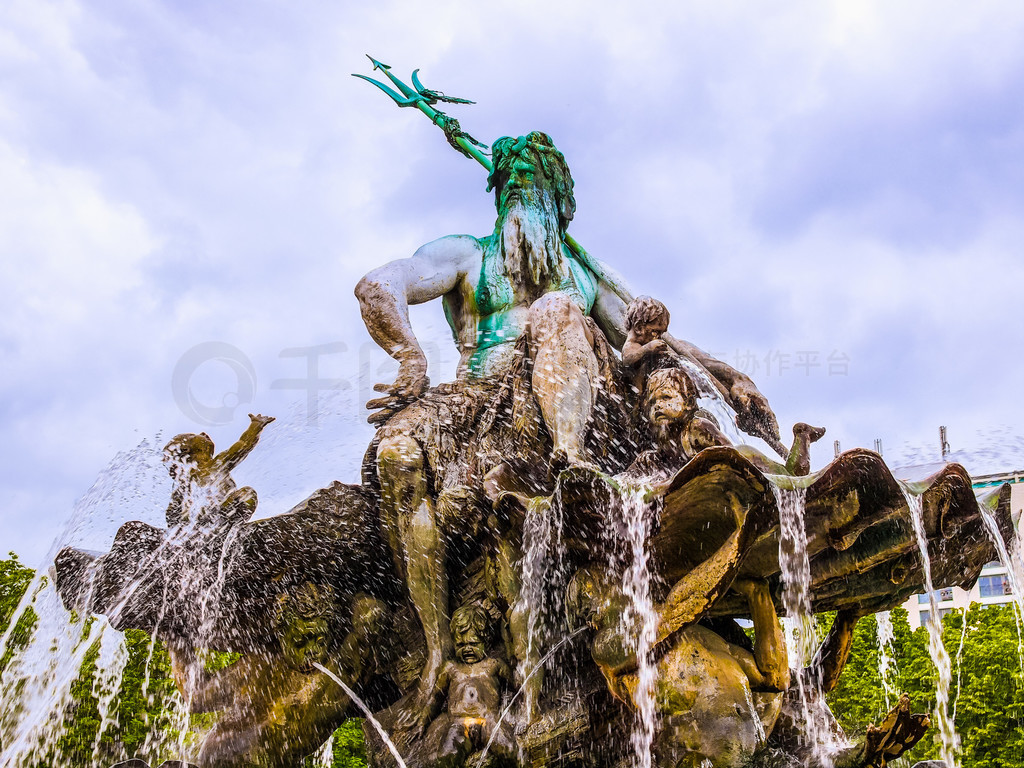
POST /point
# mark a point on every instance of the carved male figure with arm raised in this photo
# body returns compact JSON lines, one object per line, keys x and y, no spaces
{"x":519,"y":280}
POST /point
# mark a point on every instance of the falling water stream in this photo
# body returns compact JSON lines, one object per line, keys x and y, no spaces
{"x":802,"y":641}
{"x":542,"y":568}
{"x":1013,"y":575}
{"x":366,"y":711}
{"x":959,"y":660}
{"x":508,"y":707}
{"x":949,"y":741}
{"x":886,"y":662}
{"x":640,"y":619}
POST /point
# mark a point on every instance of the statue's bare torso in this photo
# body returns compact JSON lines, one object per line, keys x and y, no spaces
{"x":487,"y":312}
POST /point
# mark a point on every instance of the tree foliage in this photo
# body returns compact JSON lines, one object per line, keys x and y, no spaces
{"x":986,"y":690}
{"x":14,"y":581}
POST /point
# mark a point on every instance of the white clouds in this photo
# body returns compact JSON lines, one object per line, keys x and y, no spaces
{"x":803,"y":176}
{"x":72,"y":257}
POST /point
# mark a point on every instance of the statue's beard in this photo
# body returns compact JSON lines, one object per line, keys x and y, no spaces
{"x":530,"y":239}
{"x":667,"y":435}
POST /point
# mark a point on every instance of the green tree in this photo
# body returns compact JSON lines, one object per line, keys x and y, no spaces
{"x":988,"y":701}
{"x":14,"y":581}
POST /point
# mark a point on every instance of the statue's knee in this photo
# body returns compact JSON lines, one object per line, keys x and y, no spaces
{"x":553,"y":305}
{"x":243,"y":497}
{"x":551,"y":314}
{"x":399,"y":454}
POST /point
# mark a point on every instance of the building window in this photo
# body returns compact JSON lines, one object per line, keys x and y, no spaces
{"x":994,"y":586}
{"x":925,"y":616}
{"x":941,"y":595}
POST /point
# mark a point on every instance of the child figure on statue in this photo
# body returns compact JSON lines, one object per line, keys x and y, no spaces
{"x":473,"y":685}
{"x":204,"y":493}
{"x":670,"y":399}
{"x":714,"y":699}
{"x":646,"y":322}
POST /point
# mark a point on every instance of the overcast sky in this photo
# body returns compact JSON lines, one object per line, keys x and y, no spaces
{"x":828,"y":195}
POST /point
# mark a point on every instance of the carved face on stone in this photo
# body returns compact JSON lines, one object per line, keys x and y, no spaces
{"x":588,"y":597}
{"x":671,"y":400}
{"x":646,"y":319}
{"x":302,"y":622}
{"x":471,"y":632}
{"x":651,"y":330}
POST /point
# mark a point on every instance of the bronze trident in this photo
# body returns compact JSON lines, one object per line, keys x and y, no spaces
{"x":424,"y":100}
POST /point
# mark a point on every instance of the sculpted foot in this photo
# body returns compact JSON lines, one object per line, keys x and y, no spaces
{"x":562,"y":459}
{"x":813,"y":434}
{"x":799,"y":461}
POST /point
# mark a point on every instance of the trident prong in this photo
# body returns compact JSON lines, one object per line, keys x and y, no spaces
{"x":435,"y":96}
{"x":400,"y":100}
{"x":422,"y":98}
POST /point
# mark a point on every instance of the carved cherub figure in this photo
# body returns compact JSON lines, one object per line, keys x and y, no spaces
{"x":204,"y":492}
{"x":681,"y":430}
{"x":715,"y":699}
{"x":472,"y":684}
{"x":645,"y":350}
{"x":646,"y":322}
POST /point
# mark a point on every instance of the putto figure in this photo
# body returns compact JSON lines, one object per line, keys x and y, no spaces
{"x":204,"y":492}
{"x":519,"y":288}
{"x":472,"y":685}
{"x":714,"y":697}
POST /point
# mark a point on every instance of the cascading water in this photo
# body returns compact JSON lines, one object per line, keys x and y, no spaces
{"x":110,"y":664}
{"x":37,"y":687}
{"x":37,"y":684}
{"x":515,"y":696}
{"x":886,"y":662}
{"x":762,"y":737}
{"x":802,"y":638}
{"x":640,"y":619}
{"x":543,"y":566}
{"x":1013,"y":575}
{"x":948,"y":739}
{"x":711,"y":400}
{"x":367,"y":713}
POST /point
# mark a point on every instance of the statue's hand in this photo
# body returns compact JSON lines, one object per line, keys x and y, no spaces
{"x":656,"y":347}
{"x":260,"y":419}
{"x":410,"y":383}
{"x":754,"y":415}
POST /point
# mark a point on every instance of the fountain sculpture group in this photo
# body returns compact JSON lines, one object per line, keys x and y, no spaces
{"x":546,"y":559}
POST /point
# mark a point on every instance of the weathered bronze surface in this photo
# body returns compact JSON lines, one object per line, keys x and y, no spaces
{"x":419,"y":589}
